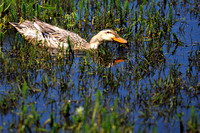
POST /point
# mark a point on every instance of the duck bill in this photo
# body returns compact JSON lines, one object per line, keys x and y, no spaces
{"x":119,"y":60}
{"x":119,"y":39}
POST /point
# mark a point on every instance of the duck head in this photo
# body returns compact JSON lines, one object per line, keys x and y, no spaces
{"x":103,"y":36}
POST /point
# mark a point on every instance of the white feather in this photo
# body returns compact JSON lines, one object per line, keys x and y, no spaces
{"x":37,"y":26}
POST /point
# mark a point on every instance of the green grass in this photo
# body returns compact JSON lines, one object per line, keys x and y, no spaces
{"x":45,"y":92}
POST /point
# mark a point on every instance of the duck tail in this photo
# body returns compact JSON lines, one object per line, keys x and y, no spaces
{"x":17,"y":26}
{"x":14,"y":24}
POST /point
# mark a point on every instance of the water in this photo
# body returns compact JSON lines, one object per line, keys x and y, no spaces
{"x":152,"y":85}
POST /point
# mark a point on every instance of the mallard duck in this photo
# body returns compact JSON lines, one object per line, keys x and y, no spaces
{"x":51,"y":36}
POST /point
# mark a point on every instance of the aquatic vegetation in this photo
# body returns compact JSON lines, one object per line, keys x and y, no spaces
{"x":149,"y":85}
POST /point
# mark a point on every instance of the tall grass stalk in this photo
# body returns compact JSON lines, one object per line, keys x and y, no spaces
{"x":38,"y":10}
{"x":126,"y":8}
{"x":24,"y":13}
{"x":120,"y":11}
{"x":98,"y":14}
{"x":170,"y":15}
{"x":97,"y":105}
{"x":1,"y":39}
{"x":80,"y":13}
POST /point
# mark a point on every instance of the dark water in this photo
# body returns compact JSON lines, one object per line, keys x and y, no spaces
{"x":150,"y":90}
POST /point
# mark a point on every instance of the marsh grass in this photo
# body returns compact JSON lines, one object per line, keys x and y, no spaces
{"x":90,"y":92}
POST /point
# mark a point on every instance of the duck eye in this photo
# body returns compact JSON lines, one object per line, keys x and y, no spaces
{"x":108,"y":32}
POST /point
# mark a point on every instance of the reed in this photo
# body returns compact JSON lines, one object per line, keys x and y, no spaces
{"x":119,"y":11}
{"x":97,"y":106}
{"x":181,"y":122}
{"x":4,"y":7}
{"x":80,"y":13}
{"x":141,"y":13}
{"x":61,"y":11}
{"x":87,"y":10}
{"x":31,"y":10}
{"x":24,"y":12}
{"x":38,"y":10}
{"x":158,"y":21}
{"x":170,"y":15}
{"x":1,"y":39}
{"x":98,"y":15}
{"x":126,"y":9}
{"x":154,"y":129}
{"x":193,"y":122}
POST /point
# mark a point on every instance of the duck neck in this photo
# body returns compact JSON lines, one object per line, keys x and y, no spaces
{"x":94,"y":45}
{"x":94,"y":42}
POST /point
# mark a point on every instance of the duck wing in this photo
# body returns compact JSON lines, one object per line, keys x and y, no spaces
{"x":54,"y":32}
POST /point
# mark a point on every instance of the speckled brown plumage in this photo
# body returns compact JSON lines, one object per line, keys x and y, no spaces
{"x":49,"y":35}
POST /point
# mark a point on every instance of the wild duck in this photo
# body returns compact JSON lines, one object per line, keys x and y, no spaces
{"x":42,"y":33}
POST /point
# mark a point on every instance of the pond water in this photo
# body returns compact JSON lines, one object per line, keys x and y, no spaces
{"x":154,"y":81}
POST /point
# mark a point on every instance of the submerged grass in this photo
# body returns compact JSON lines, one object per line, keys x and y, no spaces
{"x":104,"y":122}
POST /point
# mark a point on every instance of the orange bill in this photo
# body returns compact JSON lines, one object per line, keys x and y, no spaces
{"x":119,"y":60}
{"x":119,"y":39}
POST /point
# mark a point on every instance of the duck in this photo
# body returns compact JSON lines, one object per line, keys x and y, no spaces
{"x":43,"y":34}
